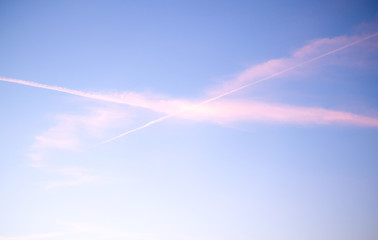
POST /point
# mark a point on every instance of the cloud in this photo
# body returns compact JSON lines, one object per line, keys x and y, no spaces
{"x":228,"y":111}
{"x":272,"y":69}
{"x":70,"y":130}
{"x":65,"y":136}
{"x":149,"y":101}
{"x":101,"y":97}
{"x":313,"y":51}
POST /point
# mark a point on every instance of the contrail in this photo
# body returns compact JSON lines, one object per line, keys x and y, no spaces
{"x":241,"y":87}
{"x":100,"y":97}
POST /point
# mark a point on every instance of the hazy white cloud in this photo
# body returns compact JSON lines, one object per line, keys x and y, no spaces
{"x":70,"y":130}
{"x":69,"y":133}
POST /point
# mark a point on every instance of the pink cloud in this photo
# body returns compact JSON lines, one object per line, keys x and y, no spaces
{"x":315,"y":47}
{"x":252,"y":74}
{"x":69,"y":131}
{"x":66,"y":135}
{"x":228,"y":111}
{"x":313,"y":51}
{"x":149,"y":101}
{"x":272,"y":69}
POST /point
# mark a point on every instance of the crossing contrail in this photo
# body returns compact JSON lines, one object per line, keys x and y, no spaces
{"x":186,"y":109}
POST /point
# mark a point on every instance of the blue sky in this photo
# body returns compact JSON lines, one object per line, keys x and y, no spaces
{"x":193,"y":120}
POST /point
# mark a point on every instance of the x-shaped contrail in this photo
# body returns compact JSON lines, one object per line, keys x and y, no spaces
{"x":186,"y":109}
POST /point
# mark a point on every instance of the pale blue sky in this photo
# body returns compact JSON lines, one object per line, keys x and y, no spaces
{"x":294,"y":157}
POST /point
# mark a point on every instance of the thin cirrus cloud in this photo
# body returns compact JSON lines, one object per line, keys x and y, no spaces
{"x":229,"y":111}
{"x":251,"y":76}
{"x":267,"y":71}
{"x":155,"y":103}
{"x":68,"y":133}
{"x":68,"y":130}
{"x":310,"y":53}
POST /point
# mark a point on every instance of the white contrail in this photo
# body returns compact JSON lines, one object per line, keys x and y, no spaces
{"x":242,"y":87}
{"x":101,"y":97}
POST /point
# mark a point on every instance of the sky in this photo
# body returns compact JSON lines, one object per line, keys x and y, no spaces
{"x":189,"y":120}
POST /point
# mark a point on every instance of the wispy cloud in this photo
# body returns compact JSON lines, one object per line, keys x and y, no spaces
{"x":65,"y":136}
{"x":310,"y":53}
{"x":153,"y":102}
{"x":228,"y":111}
{"x":69,"y":133}
{"x":272,"y":69}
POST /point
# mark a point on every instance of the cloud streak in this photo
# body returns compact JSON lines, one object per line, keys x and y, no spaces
{"x":156,"y":103}
{"x":228,"y":111}
{"x":69,"y":130}
{"x":253,"y":72}
{"x":203,"y":109}
{"x":69,"y":133}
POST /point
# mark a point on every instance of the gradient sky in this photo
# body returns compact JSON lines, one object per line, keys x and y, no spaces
{"x":189,"y":120}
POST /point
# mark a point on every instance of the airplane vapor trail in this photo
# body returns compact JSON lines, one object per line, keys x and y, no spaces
{"x":242,"y":87}
{"x":100,"y":97}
